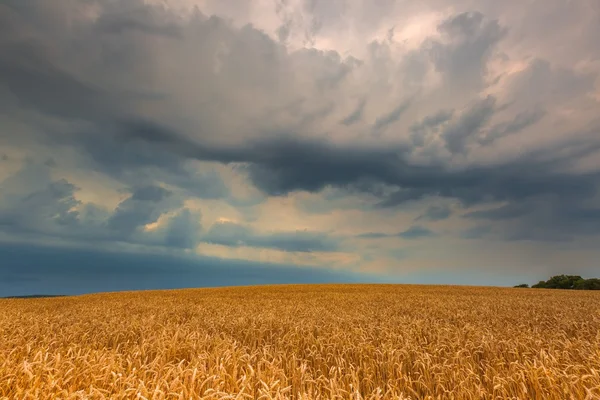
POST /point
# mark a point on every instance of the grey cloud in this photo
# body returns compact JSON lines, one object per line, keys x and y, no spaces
{"x":50,"y":205}
{"x":27,"y":72}
{"x":94,"y":219}
{"x":471,"y":39}
{"x":284,"y":171}
{"x":414,"y":232}
{"x":228,"y":234}
{"x":317,"y":115}
{"x":235,"y":235}
{"x":520,"y":122}
{"x":283,"y":32}
{"x":137,"y":19}
{"x":33,"y":204}
{"x":122,"y":141}
{"x":528,"y":234}
{"x":326,"y":67}
{"x":32,"y":70}
{"x":501,"y":213}
{"x":50,"y":163}
{"x":435,"y":213}
{"x":434,"y":120}
{"x":28,"y":269}
{"x":468,"y":124}
{"x":415,"y":66}
{"x":42,"y":83}
{"x":374,"y":235}
{"x":278,"y":166}
{"x":143,"y":207}
{"x":544,"y":83}
{"x":421,"y":129}
{"x":135,"y":151}
{"x":543,"y":219}
{"x":31,"y":200}
{"x":477,"y":232}
{"x":391,"y":117}
{"x":328,"y":12}
{"x":467,"y":24}
{"x":183,"y":229}
{"x":355,"y":115}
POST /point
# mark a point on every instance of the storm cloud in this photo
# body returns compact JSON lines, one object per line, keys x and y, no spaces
{"x":235,"y":235}
{"x":172,"y":127}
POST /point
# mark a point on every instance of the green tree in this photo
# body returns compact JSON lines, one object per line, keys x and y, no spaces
{"x":563,"y":281}
{"x":588,"y":284}
{"x":568,"y":282}
{"x":522,"y":285}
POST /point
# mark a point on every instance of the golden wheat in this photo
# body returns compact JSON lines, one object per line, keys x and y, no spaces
{"x":304,"y":342}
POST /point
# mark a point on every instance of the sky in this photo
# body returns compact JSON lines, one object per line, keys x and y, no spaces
{"x":182,"y":143}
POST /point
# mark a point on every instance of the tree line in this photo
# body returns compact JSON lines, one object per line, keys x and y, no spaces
{"x":575,"y":282}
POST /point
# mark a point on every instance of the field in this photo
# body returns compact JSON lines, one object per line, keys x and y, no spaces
{"x":304,"y":342}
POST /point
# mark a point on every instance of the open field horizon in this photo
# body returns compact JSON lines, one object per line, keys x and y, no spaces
{"x":244,"y":286}
{"x":360,"y":341}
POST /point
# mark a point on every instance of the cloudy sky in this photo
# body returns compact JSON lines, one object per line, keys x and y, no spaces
{"x":297,"y":140}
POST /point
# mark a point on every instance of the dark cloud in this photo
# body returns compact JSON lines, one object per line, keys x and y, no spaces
{"x":435,"y":213}
{"x":469,"y":42}
{"x":32,"y":204}
{"x":520,"y":122}
{"x":77,"y":74}
{"x":183,"y":230}
{"x":476,"y":232}
{"x":414,"y":232}
{"x":500,"y":213}
{"x":355,"y":115}
{"x":54,"y":202}
{"x":279,"y":166}
{"x":468,"y":124}
{"x":137,"y":19}
{"x":235,"y":235}
{"x":33,"y":71}
{"x":391,"y":117}
{"x":285,"y":170}
{"x":316,"y":115}
{"x":52,"y":209}
{"x":374,"y":235}
{"x":30,"y":269}
{"x":136,"y":151}
{"x":549,"y":84}
{"x":542,"y":219}
{"x":31,"y":201}
{"x":421,"y":129}
{"x":283,"y":32}
{"x":40,"y":85}
{"x":144,"y":206}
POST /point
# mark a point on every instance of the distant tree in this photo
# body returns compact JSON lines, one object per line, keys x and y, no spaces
{"x":562,"y":282}
{"x":568,"y":282}
{"x":588,"y":284}
{"x":522,"y":285}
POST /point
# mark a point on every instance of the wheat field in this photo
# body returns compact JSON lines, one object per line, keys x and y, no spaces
{"x":304,"y":342}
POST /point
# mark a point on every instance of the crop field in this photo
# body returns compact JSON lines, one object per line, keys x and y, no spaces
{"x":304,"y":342}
